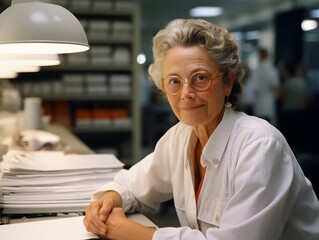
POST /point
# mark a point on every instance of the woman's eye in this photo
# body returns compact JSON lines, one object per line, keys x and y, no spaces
{"x":201,"y":77}
{"x":174,"y":81}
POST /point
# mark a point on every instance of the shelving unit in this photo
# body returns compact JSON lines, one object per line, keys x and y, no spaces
{"x":96,"y":93}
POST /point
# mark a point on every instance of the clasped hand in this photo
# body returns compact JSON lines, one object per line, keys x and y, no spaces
{"x":104,"y":218}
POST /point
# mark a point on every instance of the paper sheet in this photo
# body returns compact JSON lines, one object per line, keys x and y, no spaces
{"x":70,"y":228}
{"x":64,"y":228}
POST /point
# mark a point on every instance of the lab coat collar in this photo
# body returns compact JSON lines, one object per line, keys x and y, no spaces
{"x":215,"y":147}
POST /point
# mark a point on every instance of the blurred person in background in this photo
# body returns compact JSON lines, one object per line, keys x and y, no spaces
{"x":266,"y":88}
{"x":232,"y":176}
{"x":247,"y":98}
{"x":294,"y":104}
{"x":295,"y":91}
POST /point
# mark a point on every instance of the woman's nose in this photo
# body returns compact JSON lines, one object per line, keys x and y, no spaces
{"x":187,"y":91}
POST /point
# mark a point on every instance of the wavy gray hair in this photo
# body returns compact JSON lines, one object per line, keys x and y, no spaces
{"x":217,"y":41}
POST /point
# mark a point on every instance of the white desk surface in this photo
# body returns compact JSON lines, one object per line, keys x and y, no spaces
{"x":73,"y":144}
{"x":65,"y":228}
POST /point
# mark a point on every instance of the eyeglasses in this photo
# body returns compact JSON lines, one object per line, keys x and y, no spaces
{"x":199,"y":81}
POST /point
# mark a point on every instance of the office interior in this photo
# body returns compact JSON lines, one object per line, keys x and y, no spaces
{"x":104,"y":97}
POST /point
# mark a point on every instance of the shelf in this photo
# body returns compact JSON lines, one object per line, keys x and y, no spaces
{"x":103,"y":12}
{"x":66,"y":89}
{"x":89,"y":67}
{"x":108,"y":129}
{"x":83,"y":97}
{"x":110,"y":40}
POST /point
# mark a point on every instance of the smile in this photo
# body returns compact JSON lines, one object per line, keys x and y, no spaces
{"x":190,"y":108}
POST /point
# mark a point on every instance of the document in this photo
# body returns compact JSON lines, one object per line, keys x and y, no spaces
{"x":69,"y":228}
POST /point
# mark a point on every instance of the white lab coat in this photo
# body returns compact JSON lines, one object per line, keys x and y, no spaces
{"x":254,"y":188}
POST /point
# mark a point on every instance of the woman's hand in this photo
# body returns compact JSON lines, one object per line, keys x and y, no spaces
{"x":119,"y":227}
{"x":97,"y":213}
{"x":115,"y":223}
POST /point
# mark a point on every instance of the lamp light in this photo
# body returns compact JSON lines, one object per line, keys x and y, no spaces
{"x":29,"y":59}
{"x":309,"y":24}
{"x":20,"y":68}
{"x":8,"y":74}
{"x":205,"y":11}
{"x":40,"y":28}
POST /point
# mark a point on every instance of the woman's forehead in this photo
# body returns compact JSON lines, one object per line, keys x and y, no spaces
{"x":187,"y":58}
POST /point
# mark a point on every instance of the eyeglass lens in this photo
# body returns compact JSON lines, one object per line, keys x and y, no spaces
{"x":199,"y":81}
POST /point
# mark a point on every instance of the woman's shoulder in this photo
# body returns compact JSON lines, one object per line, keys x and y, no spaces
{"x":256,"y":128}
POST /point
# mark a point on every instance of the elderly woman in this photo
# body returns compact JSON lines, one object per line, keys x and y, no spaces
{"x":232,"y":176}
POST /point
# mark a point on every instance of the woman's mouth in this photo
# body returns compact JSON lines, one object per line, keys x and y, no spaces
{"x":190,"y":108}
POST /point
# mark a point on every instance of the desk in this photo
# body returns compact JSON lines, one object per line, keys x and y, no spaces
{"x":72,"y":143}
{"x":63,"y":228}
{"x":138,"y":217}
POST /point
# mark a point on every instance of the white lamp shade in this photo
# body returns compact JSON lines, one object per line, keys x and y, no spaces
{"x":8,"y":74}
{"x":40,"y":28}
{"x":29,"y":59}
{"x":20,"y":68}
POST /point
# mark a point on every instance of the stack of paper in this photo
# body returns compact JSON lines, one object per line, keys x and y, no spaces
{"x":48,"y":182}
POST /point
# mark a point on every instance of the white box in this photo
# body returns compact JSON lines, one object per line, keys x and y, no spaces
{"x":96,"y":79}
{"x":76,"y":79}
{"x":120,"y":79}
{"x":121,"y":55}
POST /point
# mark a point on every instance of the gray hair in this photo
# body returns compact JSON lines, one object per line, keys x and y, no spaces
{"x":217,"y":41}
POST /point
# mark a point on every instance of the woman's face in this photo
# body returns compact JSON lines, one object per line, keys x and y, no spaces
{"x":192,"y":107}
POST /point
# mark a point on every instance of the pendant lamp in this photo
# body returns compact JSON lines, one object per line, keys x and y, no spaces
{"x":33,"y":27}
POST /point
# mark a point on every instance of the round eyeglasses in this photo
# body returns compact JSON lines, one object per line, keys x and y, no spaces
{"x":199,"y":81}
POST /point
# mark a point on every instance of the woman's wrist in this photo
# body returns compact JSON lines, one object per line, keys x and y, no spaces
{"x":131,"y":230}
{"x":117,"y":200}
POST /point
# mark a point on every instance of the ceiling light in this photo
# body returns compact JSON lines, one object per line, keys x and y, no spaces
{"x":29,"y":59}
{"x":206,"y":11}
{"x":308,"y":25}
{"x":141,"y":58}
{"x":44,"y":28}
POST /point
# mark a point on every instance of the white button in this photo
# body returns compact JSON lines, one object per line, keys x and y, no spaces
{"x":215,"y":161}
{"x":205,"y":162}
